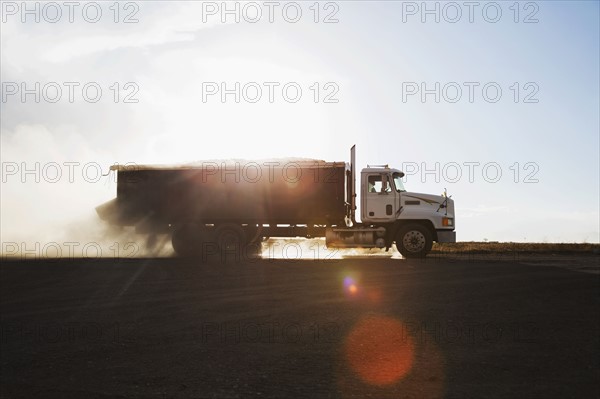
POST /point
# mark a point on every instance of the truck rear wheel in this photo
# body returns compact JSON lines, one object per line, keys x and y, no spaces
{"x":253,"y":234}
{"x":230,"y":237}
{"x":414,"y":241}
{"x":187,"y":240}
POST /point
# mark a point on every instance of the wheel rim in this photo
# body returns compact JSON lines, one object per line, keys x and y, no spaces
{"x":414,"y":241}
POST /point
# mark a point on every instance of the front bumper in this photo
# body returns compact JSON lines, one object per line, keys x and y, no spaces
{"x":446,"y":236}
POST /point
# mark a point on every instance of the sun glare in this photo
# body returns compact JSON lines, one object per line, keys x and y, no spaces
{"x":379,"y":350}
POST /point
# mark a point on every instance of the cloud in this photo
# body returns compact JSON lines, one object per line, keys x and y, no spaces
{"x":26,"y":45}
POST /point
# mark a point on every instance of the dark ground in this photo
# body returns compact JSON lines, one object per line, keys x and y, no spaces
{"x":469,"y":328}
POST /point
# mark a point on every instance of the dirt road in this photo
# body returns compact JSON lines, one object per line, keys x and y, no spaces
{"x":373,"y":327}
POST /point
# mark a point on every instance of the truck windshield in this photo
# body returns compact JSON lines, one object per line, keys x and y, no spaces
{"x":398,"y":182}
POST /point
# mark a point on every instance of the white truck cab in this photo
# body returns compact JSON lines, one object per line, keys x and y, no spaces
{"x":390,"y":214}
{"x":384,"y":199}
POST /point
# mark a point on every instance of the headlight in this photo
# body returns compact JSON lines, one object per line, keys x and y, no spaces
{"x":447,"y":222}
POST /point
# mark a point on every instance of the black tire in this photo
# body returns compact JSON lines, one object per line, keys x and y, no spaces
{"x":252,"y":250}
{"x":414,"y":240}
{"x":253,"y":234}
{"x":230,"y":237}
{"x":187,"y":240}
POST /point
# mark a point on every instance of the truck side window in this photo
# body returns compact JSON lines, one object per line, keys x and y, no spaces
{"x":374,"y":181}
{"x":378,"y":184}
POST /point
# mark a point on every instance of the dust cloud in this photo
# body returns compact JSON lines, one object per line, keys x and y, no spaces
{"x":49,"y":199}
{"x":315,"y":249}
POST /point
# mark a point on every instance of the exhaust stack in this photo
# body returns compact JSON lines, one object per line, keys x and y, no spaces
{"x":353,"y":184}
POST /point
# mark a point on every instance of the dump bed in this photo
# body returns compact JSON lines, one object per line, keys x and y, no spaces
{"x":213,"y":193}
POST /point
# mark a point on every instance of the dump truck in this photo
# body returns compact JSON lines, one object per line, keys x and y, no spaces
{"x":227,"y":206}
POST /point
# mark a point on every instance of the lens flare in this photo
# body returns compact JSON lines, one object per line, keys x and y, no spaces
{"x":350,"y":286}
{"x":379,"y":350}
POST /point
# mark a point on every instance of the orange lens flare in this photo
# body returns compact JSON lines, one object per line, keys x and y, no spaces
{"x":379,"y":350}
{"x":350,"y":286}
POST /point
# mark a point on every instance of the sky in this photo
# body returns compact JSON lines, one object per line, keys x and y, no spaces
{"x":498,"y":103}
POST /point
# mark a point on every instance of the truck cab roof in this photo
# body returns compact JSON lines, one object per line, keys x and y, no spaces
{"x":382,"y":170}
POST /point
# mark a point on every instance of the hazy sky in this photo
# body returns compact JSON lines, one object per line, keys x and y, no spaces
{"x":517,"y":85}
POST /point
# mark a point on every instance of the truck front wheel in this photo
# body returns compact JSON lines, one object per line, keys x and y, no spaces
{"x":414,"y":241}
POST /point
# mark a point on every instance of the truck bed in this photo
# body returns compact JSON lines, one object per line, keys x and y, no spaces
{"x":292,"y":193}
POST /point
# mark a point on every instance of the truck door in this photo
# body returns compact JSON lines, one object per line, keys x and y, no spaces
{"x":381,"y":202}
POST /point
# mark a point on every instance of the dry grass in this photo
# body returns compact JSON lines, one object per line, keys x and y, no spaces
{"x":502,"y":247}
